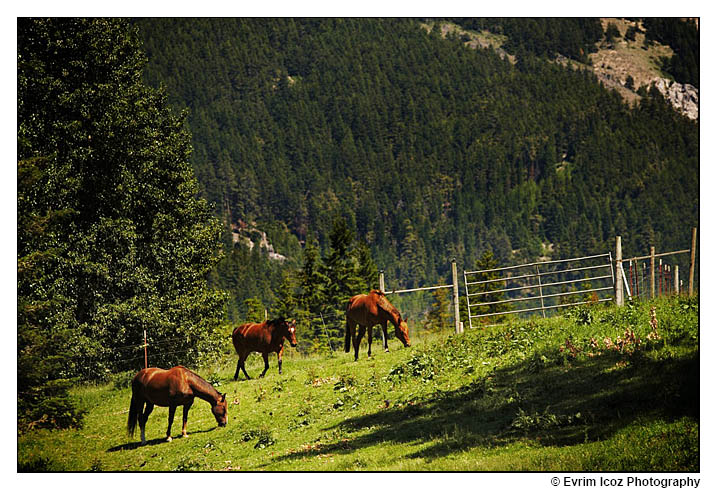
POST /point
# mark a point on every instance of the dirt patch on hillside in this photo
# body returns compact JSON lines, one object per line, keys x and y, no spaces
{"x":615,"y":61}
{"x":474,"y":39}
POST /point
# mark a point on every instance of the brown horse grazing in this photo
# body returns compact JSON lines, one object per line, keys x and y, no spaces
{"x":366,"y":311}
{"x":174,"y":387}
{"x":264,"y":337}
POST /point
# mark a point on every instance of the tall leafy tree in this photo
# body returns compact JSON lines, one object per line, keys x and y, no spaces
{"x":112,"y":239}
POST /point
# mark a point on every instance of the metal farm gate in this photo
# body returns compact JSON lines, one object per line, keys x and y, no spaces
{"x":538,"y":286}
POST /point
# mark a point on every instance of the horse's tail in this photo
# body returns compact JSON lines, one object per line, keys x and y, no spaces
{"x":133,"y":417}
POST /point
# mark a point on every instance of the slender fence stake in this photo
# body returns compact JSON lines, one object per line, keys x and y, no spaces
{"x":653,"y":272}
{"x":693,"y":262}
{"x":326,"y":332}
{"x":455,"y":282}
{"x":619,"y":271}
{"x":145,"y":348}
{"x":676,"y":286}
{"x":625,"y":283}
{"x":543,"y":307}
{"x":661,"y":275}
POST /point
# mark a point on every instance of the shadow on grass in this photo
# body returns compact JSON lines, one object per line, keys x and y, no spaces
{"x":155,"y":441}
{"x":587,"y":400}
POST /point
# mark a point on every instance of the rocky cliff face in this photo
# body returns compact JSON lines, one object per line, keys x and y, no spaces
{"x":683,"y":97}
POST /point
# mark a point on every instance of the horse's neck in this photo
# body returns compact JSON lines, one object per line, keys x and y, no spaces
{"x":203,"y":389}
{"x":389,"y":313}
{"x":272,"y":330}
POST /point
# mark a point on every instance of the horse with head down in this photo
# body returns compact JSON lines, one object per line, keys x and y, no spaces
{"x":264,"y":337}
{"x":177,"y":386}
{"x":368,"y":310}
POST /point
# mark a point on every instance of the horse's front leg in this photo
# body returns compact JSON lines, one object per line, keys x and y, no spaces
{"x":169,"y":422}
{"x":385,"y":336}
{"x":266,"y":363}
{"x":185,"y":413}
{"x":368,"y":338}
{"x":279,"y":358}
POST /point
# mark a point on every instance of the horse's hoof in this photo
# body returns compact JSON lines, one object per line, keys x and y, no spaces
{"x":169,"y":439}
{"x":143,"y":443}
{"x":386,"y":350}
{"x":185,"y":435}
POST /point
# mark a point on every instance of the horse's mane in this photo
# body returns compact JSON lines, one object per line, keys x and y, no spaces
{"x":385,"y":304}
{"x":202,"y":383}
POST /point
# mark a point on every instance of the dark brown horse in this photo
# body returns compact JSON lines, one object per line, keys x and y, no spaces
{"x":264,"y":337}
{"x":366,"y":311}
{"x":177,"y":386}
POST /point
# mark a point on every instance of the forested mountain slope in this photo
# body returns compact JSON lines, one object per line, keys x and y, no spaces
{"x":427,"y":148}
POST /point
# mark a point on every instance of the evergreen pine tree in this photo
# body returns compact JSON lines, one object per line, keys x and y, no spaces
{"x":438,"y":318}
{"x":366,"y":267}
{"x":105,"y":184}
{"x":341,"y":275}
{"x":485,"y":289}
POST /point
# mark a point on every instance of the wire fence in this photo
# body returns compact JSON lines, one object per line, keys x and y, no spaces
{"x":489,"y":293}
{"x":538,"y":286}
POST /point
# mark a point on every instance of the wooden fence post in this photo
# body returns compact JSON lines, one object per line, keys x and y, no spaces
{"x":619,"y":276}
{"x":693,"y":262}
{"x":676,"y":285}
{"x":145,"y":348}
{"x":455,"y":281}
{"x":653,"y":271}
{"x":381,"y":289}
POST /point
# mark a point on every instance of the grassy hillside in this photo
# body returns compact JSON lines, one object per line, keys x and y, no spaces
{"x":594,"y":389}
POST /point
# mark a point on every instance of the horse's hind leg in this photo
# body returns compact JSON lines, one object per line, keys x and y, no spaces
{"x":169,"y":422}
{"x":185,"y":412}
{"x":236,"y":372}
{"x":143,"y":420}
{"x":357,"y":341}
{"x":240,"y":364}
{"x":266,"y":363}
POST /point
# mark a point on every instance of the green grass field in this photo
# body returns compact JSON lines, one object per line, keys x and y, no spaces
{"x":593,"y":390}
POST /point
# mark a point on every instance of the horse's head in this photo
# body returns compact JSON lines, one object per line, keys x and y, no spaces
{"x":291,"y":332}
{"x":402,"y":332}
{"x":220,"y":411}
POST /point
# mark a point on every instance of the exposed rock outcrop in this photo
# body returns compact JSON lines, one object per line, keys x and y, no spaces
{"x":683,"y":97}
{"x":241,"y":233}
